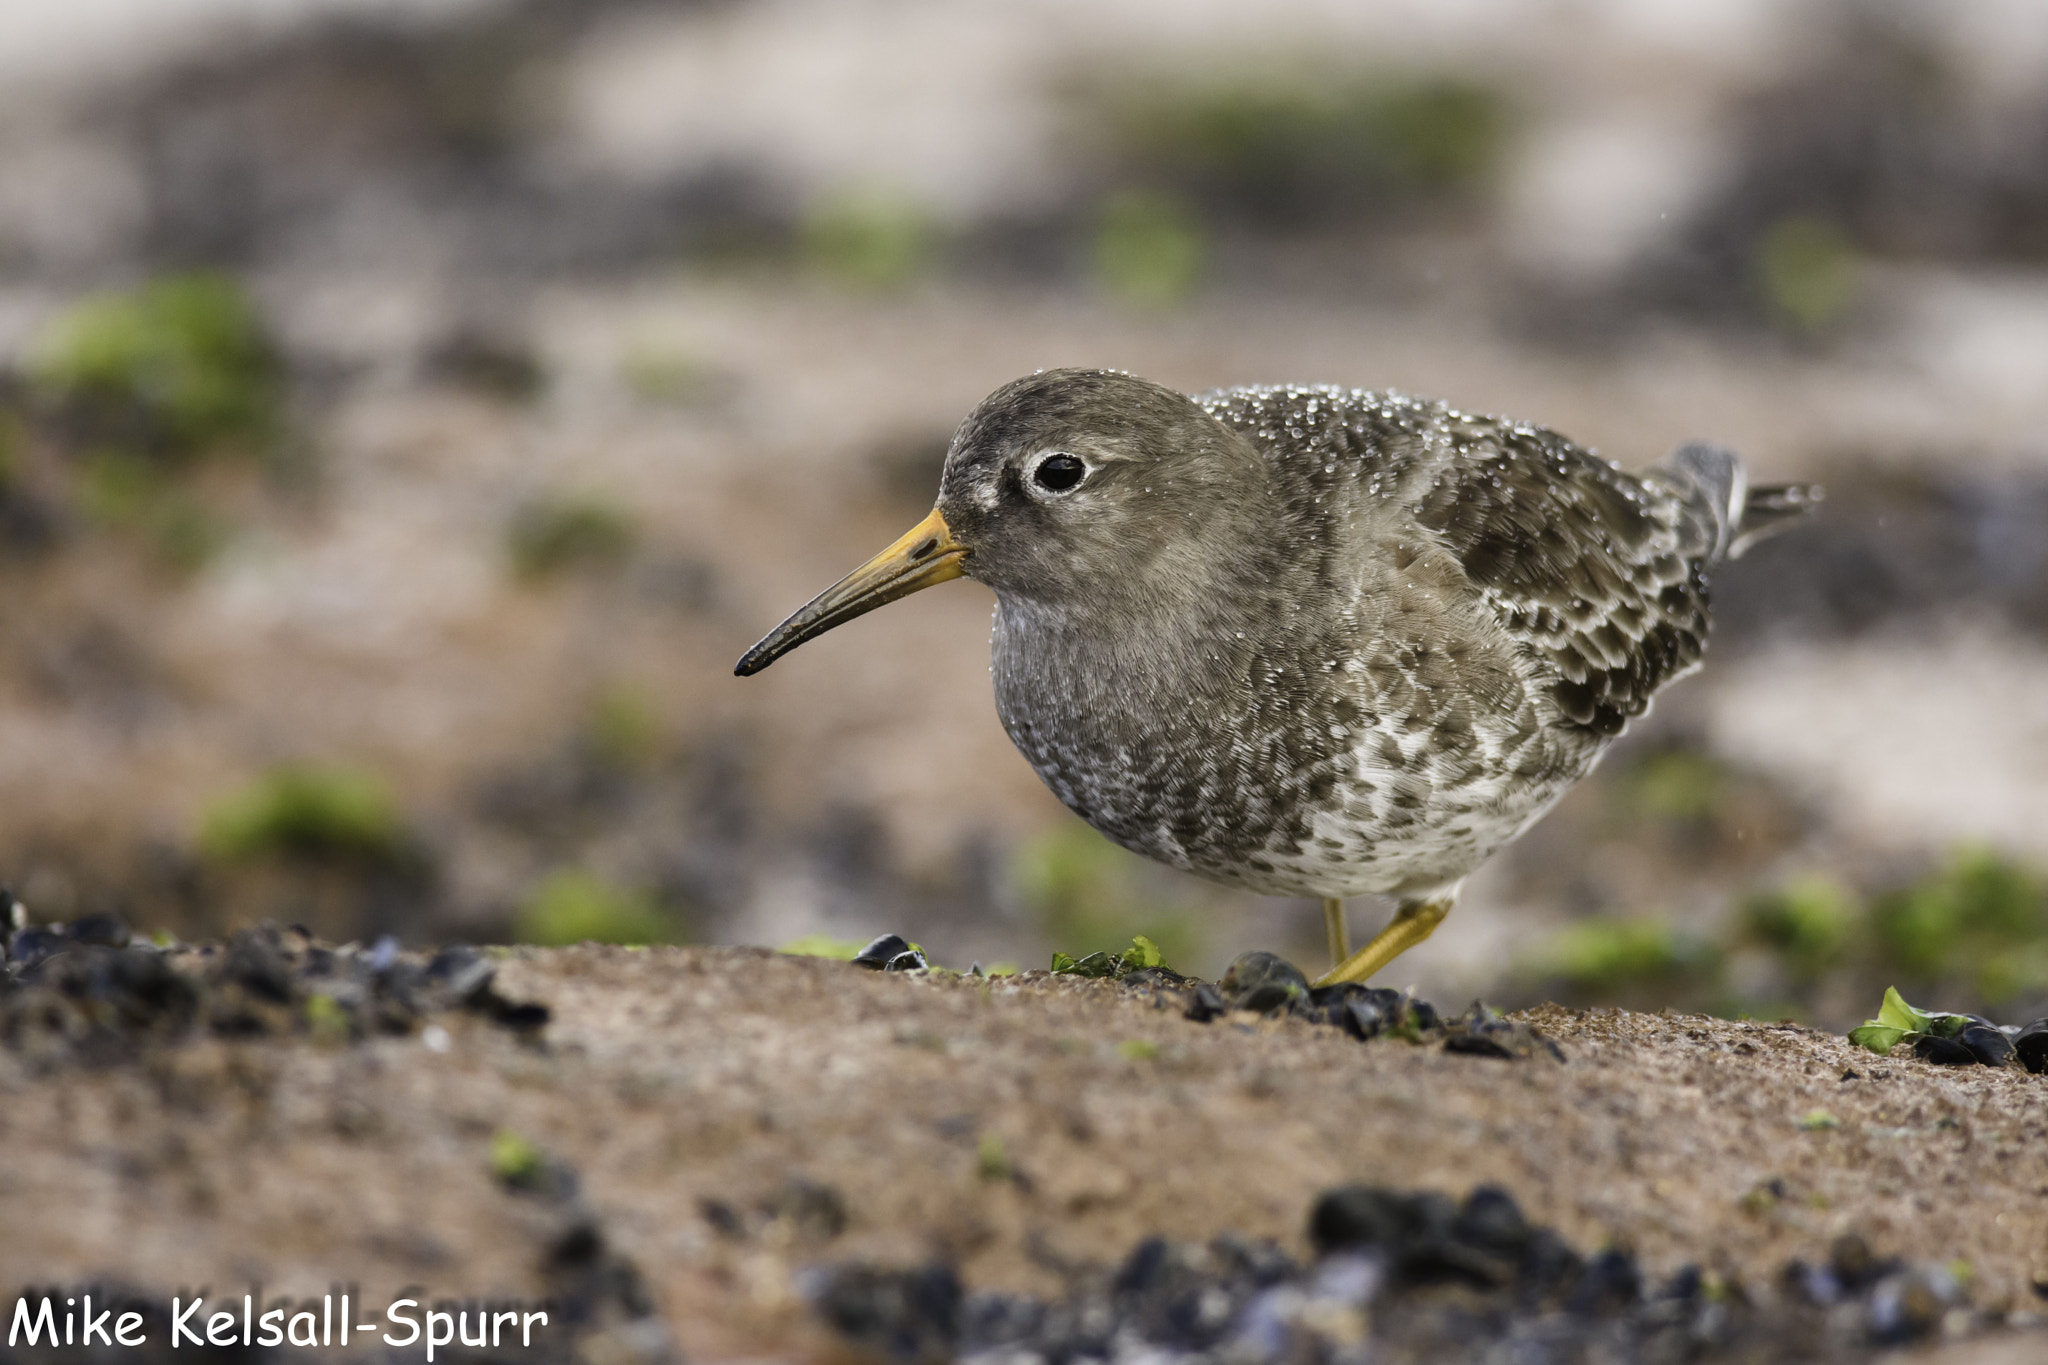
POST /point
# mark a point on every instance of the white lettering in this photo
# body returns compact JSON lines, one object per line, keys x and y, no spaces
{"x":275,"y":1330}
{"x":512,"y":1318}
{"x":43,"y":1322}
{"x":462,"y":1329}
{"x":291,"y":1329}
{"x":434,"y":1340}
{"x":394,"y":1315}
{"x":178,"y":1323}
{"x":526,"y":1328}
{"x":220,"y":1329}
{"x":126,"y":1323}
{"x":97,"y":1324}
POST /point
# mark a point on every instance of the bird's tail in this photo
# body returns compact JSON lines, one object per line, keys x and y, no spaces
{"x":1737,"y":516}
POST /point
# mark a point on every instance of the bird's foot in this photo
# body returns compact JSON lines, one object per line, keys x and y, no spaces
{"x":1413,"y":922}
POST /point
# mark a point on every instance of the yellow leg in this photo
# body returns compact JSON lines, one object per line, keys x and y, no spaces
{"x":1412,"y":923}
{"x":1333,"y":922}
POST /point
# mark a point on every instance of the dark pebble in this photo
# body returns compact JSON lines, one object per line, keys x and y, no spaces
{"x":1354,"y":1216}
{"x":1493,"y":1220}
{"x":1208,"y":1003}
{"x":1257,"y":1262}
{"x":1906,"y":1306}
{"x":1143,"y":1268}
{"x":451,"y":962}
{"x":1609,"y":1283}
{"x":816,"y":1210}
{"x":580,"y":1244}
{"x":1816,"y":1284}
{"x":1988,"y":1045}
{"x":725,"y":1220}
{"x":1686,"y":1285}
{"x":1856,"y":1267}
{"x":257,"y":964}
{"x":1263,"y":982}
{"x":521,"y":1017}
{"x":2031,"y":1046}
{"x":1425,"y":1238}
{"x":902,"y":1315}
{"x":1479,"y":1045}
{"x":1548,"y":1264}
{"x":29,"y":946}
{"x":105,"y":931}
{"x":1943,"y":1051}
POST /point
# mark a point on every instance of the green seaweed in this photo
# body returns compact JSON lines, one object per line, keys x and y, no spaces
{"x":1808,"y":923}
{"x":1982,"y":916}
{"x":622,"y":728}
{"x":174,"y":368}
{"x":516,"y":1163}
{"x":557,"y":535}
{"x":1149,"y":249}
{"x":574,"y":906}
{"x":1898,"y":1022}
{"x":1142,"y":953}
{"x":1299,"y":144}
{"x":869,"y":238}
{"x":307,"y":812}
{"x":1807,"y":270}
{"x":822,"y":945}
{"x":1603,"y":953}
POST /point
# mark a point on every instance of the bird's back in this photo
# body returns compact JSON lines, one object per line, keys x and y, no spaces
{"x":1597,"y":576}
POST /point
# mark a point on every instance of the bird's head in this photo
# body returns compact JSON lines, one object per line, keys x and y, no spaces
{"x":1068,"y":489}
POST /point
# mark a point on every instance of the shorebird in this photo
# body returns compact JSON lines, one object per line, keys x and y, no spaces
{"x":1307,"y":640}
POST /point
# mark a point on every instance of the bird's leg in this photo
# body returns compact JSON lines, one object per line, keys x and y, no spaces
{"x":1413,"y":922}
{"x":1333,"y":922}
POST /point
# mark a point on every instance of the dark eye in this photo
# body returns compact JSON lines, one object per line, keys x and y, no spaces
{"x":1058,"y":473}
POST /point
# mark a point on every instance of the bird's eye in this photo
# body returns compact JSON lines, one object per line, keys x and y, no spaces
{"x":1058,"y":473}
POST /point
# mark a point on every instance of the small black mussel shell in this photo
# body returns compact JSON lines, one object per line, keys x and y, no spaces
{"x":1987,"y":1043}
{"x":891,"y":953}
{"x":1207,"y":1003}
{"x":1943,"y":1051}
{"x":2031,"y":1046}
{"x":1360,"y":1010}
{"x":1263,"y":981}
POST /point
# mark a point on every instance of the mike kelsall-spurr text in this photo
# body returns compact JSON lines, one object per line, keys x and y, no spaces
{"x":77,"y":1323}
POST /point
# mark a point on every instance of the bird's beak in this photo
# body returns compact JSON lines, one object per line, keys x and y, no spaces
{"x":926,"y":554}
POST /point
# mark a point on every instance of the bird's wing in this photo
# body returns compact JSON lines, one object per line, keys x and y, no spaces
{"x":1599,"y":573}
{"x":1597,"y":576}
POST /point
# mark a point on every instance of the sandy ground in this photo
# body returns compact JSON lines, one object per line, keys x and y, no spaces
{"x":1013,"y":1127}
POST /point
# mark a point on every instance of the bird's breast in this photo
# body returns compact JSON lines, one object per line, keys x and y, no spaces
{"x":1288,"y":765}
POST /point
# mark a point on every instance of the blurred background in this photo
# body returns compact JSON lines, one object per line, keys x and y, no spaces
{"x":409,"y":409}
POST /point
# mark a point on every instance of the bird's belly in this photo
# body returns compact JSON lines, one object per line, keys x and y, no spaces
{"x":1383,"y":811}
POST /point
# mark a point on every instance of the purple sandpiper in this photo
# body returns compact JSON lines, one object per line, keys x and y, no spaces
{"x":1313,"y":641}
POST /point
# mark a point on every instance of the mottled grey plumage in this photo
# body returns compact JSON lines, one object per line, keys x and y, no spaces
{"x":1317,"y":641}
{"x":1313,"y":641}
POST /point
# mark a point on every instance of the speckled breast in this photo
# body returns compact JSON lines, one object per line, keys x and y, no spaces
{"x":1376,"y":772}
